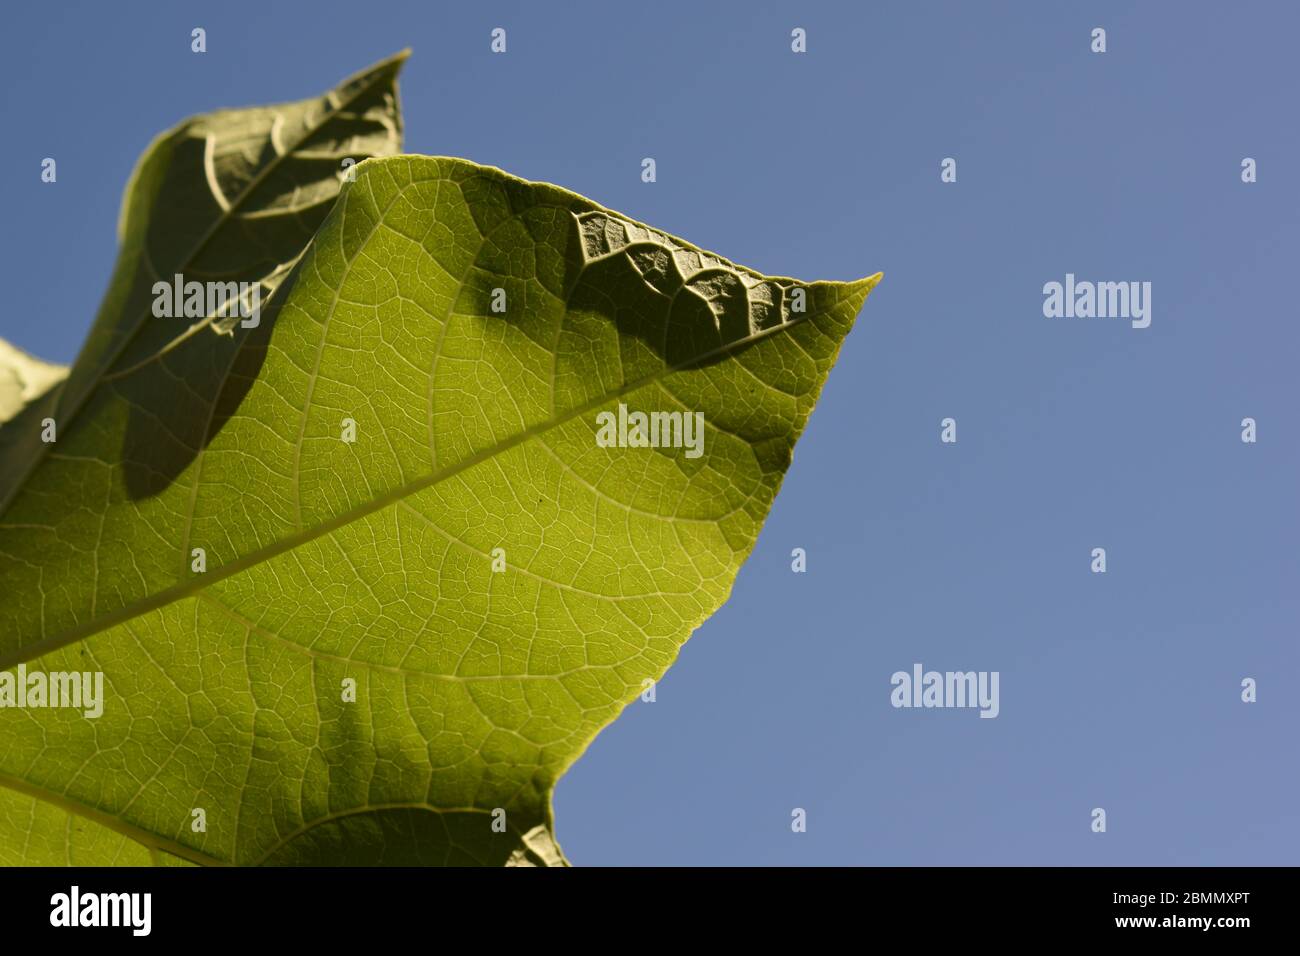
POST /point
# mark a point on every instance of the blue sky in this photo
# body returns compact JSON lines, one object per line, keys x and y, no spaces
{"x":1118,"y":690}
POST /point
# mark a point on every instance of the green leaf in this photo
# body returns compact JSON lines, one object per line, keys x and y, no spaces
{"x":234,"y":195}
{"x":372,"y":561}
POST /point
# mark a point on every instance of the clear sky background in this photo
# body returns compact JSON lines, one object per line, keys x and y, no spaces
{"x":1119,"y":690}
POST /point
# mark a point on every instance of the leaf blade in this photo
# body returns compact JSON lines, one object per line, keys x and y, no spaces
{"x":372,"y":561}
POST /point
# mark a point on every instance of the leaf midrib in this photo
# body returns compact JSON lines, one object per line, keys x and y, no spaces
{"x":151,"y":841}
{"x":181,"y":591}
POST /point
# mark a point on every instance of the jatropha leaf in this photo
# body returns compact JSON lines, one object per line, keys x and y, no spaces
{"x":230,"y":196}
{"x":363,"y":588}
